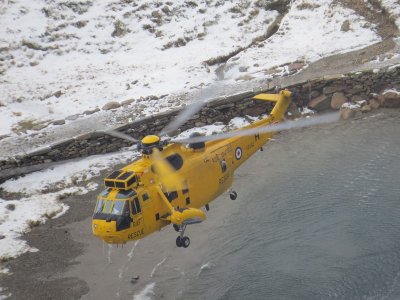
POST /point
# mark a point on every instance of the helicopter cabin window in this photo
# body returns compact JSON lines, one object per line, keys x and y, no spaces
{"x":223,"y":165}
{"x":145,"y":197}
{"x":175,"y":160}
{"x":171,"y":195}
{"x":118,"y":207}
{"x":104,"y":193}
{"x":99,"y":206}
{"x":107,"y":207}
{"x":136,"y":209}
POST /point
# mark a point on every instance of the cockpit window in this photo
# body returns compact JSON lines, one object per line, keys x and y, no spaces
{"x":99,"y":206}
{"x":118,"y":207}
{"x":107,"y":207}
{"x":104,"y":193}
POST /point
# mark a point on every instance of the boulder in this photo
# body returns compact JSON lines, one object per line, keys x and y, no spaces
{"x":374,"y":104}
{"x":349,"y":110}
{"x":254,"y":111}
{"x":366,"y":108}
{"x":332,"y":89}
{"x":72,"y":117}
{"x":293,"y":111}
{"x":345,"y":26}
{"x":338,"y":99}
{"x":127,"y":102}
{"x":111,"y":105}
{"x":58,"y":122}
{"x":314,"y":94}
{"x":320,"y":103}
{"x":391,"y":99}
{"x":91,"y":111}
{"x":347,"y":113}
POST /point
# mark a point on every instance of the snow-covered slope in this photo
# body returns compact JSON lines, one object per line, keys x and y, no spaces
{"x":71,"y":56}
{"x":62,"y":58}
{"x":311,"y":30}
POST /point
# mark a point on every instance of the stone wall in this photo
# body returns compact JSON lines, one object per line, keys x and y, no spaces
{"x":319,"y":94}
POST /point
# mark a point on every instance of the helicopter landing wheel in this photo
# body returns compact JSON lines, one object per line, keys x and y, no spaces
{"x":182,"y":241}
{"x":233,"y":195}
{"x":179,"y":241}
{"x":176,"y":227}
{"x":185,"y":242}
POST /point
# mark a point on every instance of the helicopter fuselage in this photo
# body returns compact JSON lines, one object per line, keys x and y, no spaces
{"x":140,"y":198}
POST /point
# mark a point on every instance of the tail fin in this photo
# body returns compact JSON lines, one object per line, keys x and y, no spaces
{"x":282,"y":101}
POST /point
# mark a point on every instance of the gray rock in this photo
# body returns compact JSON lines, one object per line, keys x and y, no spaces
{"x":320,"y":103}
{"x":58,"y":122}
{"x":338,"y":99}
{"x":374,"y":104}
{"x":332,"y":89}
{"x":127,"y":102}
{"x":366,"y":108}
{"x":314,"y":94}
{"x":57,"y":94}
{"x":10,"y":206}
{"x":391,"y":99}
{"x":111,"y":105}
{"x":345,"y":26}
{"x":91,"y":111}
{"x":356,"y":98}
{"x":200,"y":124}
{"x":243,"y":69}
{"x":72,"y":117}
{"x":347,"y":113}
{"x":358,"y":88}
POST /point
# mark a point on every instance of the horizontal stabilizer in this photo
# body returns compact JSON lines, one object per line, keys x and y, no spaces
{"x":267,"y":97}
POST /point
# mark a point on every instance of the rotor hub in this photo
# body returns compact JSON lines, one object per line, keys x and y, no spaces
{"x":149,"y":142}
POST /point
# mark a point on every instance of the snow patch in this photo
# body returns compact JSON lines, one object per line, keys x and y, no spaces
{"x":350,"y":105}
{"x":391,"y":91}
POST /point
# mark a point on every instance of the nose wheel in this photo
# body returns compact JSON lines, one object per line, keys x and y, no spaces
{"x":181,"y":240}
{"x":232,"y":195}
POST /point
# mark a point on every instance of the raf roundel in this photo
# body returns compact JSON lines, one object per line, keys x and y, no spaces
{"x":238,"y":153}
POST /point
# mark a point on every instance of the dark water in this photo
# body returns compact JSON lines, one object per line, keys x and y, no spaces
{"x":321,"y":220}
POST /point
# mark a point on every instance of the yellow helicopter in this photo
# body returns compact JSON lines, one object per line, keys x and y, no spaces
{"x":174,"y":179}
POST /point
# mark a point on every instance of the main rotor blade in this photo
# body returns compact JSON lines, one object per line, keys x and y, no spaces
{"x":323,"y":119}
{"x":121,"y":135}
{"x":190,"y":110}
